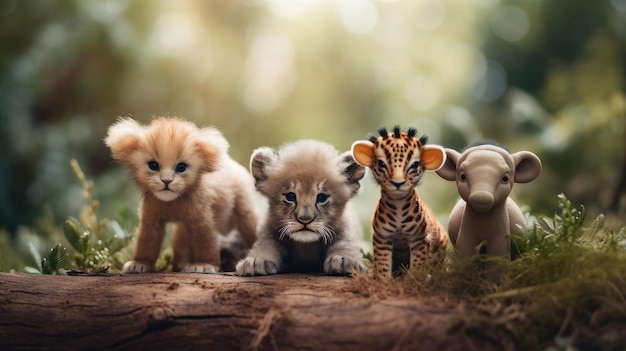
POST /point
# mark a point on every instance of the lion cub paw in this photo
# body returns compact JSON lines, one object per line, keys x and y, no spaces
{"x":137,"y":267}
{"x":200,"y":268}
{"x":256,"y":266}
{"x":340,"y":265}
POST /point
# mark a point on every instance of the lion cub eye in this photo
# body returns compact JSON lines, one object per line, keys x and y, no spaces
{"x":153,"y":165}
{"x":181,"y":167}
{"x":322,"y":198}
{"x":290,"y":197}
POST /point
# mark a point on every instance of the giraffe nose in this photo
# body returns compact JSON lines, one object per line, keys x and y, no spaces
{"x":398,"y":183}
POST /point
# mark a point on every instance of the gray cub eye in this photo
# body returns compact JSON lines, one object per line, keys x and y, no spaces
{"x":290,"y":197}
{"x":322,"y":198}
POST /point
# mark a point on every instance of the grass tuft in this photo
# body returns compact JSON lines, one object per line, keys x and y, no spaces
{"x":567,"y":287}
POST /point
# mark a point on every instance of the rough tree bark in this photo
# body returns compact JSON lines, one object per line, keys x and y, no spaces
{"x":215,"y":312}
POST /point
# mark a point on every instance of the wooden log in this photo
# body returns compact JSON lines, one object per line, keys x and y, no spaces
{"x":214,"y":312}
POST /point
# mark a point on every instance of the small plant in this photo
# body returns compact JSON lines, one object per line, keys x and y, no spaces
{"x":96,"y":247}
{"x":55,"y":262}
{"x":89,"y":256}
{"x":98,"y":242}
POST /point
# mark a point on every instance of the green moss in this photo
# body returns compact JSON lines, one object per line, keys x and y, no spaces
{"x":566,"y":288}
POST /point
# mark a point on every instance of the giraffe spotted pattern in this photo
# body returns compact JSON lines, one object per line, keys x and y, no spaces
{"x":406,"y":231}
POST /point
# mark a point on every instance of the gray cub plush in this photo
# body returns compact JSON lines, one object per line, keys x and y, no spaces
{"x":309,"y":226}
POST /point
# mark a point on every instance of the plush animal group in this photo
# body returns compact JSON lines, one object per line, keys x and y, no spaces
{"x":186,"y":177}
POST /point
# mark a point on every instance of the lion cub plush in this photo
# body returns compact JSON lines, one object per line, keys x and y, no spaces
{"x":309,"y":226}
{"x":186,"y":177}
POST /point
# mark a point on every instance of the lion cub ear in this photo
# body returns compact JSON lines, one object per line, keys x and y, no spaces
{"x":123,"y":139}
{"x":261,"y":161}
{"x":351,"y":170}
{"x":211,"y":144}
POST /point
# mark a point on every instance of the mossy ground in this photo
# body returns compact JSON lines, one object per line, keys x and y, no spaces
{"x":566,"y":289}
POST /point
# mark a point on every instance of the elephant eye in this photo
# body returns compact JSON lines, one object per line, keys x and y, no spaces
{"x":505,"y":179}
{"x":290,"y":197}
{"x":462,"y":177}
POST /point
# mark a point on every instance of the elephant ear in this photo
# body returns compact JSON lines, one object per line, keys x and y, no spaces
{"x":448,"y":169}
{"x":527,"y":166}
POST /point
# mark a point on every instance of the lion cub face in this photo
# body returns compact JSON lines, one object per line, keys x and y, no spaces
{"x":167,"y":157}
{"x":308,"y":185}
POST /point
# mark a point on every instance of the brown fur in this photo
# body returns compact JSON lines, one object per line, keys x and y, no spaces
{"x":309,"y":227}
{"x":406,"y":231}
{"x":205,"y":197}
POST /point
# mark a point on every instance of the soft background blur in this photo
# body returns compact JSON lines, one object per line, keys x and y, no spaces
{"x":545,"y":76}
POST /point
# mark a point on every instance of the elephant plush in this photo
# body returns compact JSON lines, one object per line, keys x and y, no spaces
{"x":484,"y":174}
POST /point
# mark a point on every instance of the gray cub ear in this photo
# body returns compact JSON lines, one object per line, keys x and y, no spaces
{"x":352,"y":171}
{"x":261,"y":161}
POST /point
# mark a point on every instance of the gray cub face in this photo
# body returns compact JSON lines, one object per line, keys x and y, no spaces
{"x":308,"y":185}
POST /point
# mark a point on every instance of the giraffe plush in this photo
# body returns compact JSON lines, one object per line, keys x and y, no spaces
{"x":406,"y":231}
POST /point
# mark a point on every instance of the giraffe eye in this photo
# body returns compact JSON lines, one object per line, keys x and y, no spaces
{"x":382,"y":164}
{"x":414,"y":165}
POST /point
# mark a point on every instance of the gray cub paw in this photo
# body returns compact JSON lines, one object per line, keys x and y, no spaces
{"x":204,"y":268}
{"x":137,"y":267}
{"x":250,"y":266}
{"x":341,"y":265}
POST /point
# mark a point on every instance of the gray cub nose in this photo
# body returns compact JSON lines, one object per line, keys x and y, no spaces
{"x":306,"y":219}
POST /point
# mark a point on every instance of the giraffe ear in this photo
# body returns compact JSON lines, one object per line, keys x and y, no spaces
{"x":433,"y":157}
{"x":363,"y":153}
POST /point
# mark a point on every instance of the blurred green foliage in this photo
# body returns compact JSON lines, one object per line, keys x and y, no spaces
{"x":545,"y":76}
